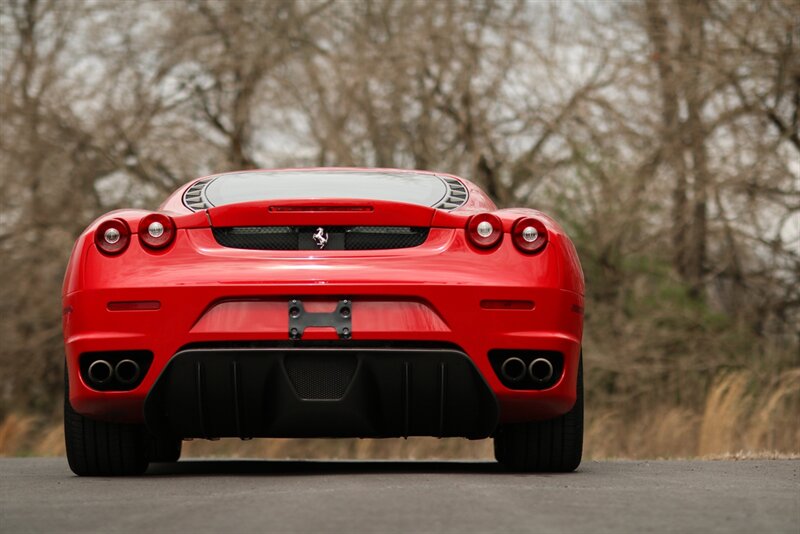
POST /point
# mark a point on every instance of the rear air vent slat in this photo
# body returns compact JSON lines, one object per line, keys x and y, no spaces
{"x":194,"y":198}
{"x":455,"y":197}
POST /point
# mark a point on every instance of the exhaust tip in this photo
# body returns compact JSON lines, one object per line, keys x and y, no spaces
{"x":100,"y":372}
{"x":513,"y":369}
{"x":541,"y":370}
{"x":127,"y":371}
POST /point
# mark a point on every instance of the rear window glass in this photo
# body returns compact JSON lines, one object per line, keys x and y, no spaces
{"x":422,"y":189}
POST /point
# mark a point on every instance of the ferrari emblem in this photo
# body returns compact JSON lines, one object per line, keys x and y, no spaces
{"x":320,"y":237}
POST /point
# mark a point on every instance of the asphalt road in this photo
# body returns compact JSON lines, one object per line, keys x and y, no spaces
{"x":753,"y":496}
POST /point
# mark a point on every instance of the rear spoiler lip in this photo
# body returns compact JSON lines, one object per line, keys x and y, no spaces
{"x":329,"y":212}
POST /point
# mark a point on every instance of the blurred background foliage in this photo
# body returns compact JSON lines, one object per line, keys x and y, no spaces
{"x":662,"y":134}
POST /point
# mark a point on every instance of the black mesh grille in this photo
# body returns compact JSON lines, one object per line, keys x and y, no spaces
{"x":320,"y":376}
{"x":258,"y":237}
{"x":338,"y":238}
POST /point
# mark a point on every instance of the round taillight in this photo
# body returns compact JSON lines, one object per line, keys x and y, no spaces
{"x":485,"y":230}
{"x":529,"y":235}
{"x":156,"y":230}
{"x":112,"y":237}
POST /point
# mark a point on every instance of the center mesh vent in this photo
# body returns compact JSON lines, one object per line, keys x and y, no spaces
{"x":337,"y":237}
{"x":320,"y":376}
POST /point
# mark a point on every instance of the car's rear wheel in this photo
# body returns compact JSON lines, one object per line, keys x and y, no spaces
{"x":544,"y":446}
{"x":99,"y":448}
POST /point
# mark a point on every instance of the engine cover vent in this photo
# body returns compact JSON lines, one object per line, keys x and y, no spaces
{"x":456,"y":195}
{"x":194,"y":198}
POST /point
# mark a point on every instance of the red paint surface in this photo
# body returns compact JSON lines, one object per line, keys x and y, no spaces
{"x":428,"y":293}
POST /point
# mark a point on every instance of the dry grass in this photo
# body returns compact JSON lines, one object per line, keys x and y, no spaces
{"x":740,"y":416}
{"x":30,"y":436}
{"x":741,"y":419}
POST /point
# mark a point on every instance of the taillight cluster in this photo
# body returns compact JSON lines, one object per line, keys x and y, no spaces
{"x":485,"y":231}
{"x":156,"y":231}
{"x":529,"y":235}
{"x":112,"y":237}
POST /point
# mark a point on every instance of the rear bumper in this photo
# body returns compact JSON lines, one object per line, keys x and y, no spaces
{"x":185,"y":319}
{"x":431,"y":295}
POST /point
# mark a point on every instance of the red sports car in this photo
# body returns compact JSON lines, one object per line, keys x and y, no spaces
{"x":327,"y":302}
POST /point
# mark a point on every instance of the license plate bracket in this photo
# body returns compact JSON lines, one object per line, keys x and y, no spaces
{"x":341,"y":319}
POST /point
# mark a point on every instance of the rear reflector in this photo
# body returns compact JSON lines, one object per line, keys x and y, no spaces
{"x":507,"y":304}
{"x":134,"y":305}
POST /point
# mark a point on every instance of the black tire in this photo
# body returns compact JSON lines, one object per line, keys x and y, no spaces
{"x":544,"y":446}
{"x":165,"y":450}
{"x":98,"y":448}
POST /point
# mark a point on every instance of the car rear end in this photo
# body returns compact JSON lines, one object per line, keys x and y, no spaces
{"x":323,"y":317}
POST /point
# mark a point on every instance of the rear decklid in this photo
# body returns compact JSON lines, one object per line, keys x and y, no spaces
{"x":331,"y":224}
{"x":332,"y":209}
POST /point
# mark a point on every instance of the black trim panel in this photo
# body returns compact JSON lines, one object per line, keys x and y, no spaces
{"x":245,"y":393}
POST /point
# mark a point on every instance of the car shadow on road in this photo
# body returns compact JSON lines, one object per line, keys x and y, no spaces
{"x":224,"y":467}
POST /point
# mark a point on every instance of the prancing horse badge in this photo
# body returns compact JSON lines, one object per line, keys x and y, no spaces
{"x":320,"y":237}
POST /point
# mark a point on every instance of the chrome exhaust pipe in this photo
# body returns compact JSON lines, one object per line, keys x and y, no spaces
{"x":540,"y":370}
{"x":127,"y":371}
{"x":100,"y":372}
{"x":513,"y":369}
